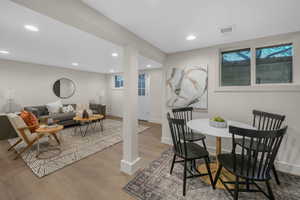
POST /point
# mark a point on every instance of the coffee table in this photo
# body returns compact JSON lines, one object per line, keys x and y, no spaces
{"x":50,"y":131}
{"x":94,"y":119}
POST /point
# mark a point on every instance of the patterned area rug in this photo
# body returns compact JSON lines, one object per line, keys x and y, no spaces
{"x":155,"y":183}
{"x":73,"y":147}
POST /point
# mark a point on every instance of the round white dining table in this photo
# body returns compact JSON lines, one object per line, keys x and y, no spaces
{"x":203,"y":126}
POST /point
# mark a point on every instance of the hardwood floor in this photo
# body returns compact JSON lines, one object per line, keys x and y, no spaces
{"x":94,"y":178}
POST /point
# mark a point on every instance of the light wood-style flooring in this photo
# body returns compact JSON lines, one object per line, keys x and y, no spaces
{"x":97,"y":177}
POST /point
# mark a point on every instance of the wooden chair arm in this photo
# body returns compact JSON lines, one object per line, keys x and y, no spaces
{"x":27,"y":127}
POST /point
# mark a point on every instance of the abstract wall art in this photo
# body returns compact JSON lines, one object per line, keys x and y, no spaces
{"x":188,"y":87}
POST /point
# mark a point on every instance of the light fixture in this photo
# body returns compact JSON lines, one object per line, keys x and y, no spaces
{"x":114,"y":54}
{"x":111,"y":71}
{"x":75,"y":64}
{"x":148,"y":66}
{"x":190,"y":37}
{"x":4,"y":52}
{"x":32,"y":28}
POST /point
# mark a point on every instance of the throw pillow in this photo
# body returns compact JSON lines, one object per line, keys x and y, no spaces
{"x":54,"y":107}
{"x":30,"y":120}
{"x":67,"y":109}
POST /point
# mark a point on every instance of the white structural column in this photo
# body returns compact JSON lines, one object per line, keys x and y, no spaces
{"x":130,"y":161}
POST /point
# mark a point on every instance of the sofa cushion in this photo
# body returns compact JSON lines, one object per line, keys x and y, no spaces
{"x":63,"y":116}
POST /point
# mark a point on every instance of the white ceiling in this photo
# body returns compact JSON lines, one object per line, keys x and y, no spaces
{"x":166,"y":23}
{"x":56,"y":44}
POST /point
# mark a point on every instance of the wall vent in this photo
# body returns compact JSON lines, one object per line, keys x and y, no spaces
{"x":227,"y":29}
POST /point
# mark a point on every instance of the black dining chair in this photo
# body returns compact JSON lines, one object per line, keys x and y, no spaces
{"x":268,"y":121}
{"x":186,"y":151}
{"x":250,"y":168}
{"x":186,"y":114}
{"x":265,"y":121}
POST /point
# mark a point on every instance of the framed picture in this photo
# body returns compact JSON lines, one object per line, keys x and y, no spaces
{"x":188,"y":87}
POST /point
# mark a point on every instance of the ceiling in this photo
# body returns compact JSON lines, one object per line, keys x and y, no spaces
{"x":56,"y":44}
{"x":166,"y":23}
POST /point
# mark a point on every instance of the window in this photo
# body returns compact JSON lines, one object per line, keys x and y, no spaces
{"x":274,"y":64}
{"x":119,"y":82}
{"x":142,"y":85}
{"x":235,"y":68}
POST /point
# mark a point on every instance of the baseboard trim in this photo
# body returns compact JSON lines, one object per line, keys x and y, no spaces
{"x":130,"y":167}
{"x":166,"y":140}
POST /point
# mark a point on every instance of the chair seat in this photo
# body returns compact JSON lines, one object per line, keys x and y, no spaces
{"x":227,"y":161}
{"x":193,"y":137}
{"x":194,"y":151}
{"x":254,"y":146}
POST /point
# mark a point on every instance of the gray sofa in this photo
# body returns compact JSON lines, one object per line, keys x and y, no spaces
{"x":65,"y":119}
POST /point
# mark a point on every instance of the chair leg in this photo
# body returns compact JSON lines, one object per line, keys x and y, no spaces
{"x":209,"y":173}
{"x":236,"y":188}
{"x":173,"y":162}
{"x":26,"y":148}
{"x":271,"y":195}
{"x":10,"y":148}
{"x":184,"y":177}
{"x":217,"y":175}
{"x":204,"y":145}
{"x":275,"y":175}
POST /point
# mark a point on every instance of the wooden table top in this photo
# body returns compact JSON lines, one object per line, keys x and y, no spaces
{"x":49,"y":129}
{"x":91,"y":118}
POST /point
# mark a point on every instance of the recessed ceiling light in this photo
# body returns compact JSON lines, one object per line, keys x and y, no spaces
{"x":31,"y":28}
{"x":114,"y":54}
{"x":111,"y":71}
{"x":191,"y":37}
{"x":4,"y":52}
{"x":75,"y":64}
{"x":148,"y":66}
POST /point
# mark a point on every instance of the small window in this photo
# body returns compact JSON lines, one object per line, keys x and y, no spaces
{"x":142,"y":85}
{"x":274,"y":64}
{"x":235,"y":68}
{"x":119,"y":82}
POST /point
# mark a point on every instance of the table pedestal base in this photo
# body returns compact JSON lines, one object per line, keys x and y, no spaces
{"x":225,"y":175}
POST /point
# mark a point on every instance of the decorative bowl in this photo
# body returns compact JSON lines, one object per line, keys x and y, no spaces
{"x":218,"y":124}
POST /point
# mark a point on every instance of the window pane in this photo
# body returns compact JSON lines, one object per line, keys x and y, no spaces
{"x":235,"y":69}
{"x":119,"y":81}
{"x":274,"y":64}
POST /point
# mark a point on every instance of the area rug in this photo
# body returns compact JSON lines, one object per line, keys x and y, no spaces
{"x":155,"y":183}
{"x":73,"y":147}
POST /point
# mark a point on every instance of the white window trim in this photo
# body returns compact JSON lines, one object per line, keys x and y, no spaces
{"x":254,"y":87}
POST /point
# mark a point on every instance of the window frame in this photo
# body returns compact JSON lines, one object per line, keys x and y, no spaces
{"x":113,"y":82}
{"x":253,"y":87}
{"x":221,"y":61}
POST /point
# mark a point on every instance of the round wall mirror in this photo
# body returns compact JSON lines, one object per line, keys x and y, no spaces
{"x":64,"y":88}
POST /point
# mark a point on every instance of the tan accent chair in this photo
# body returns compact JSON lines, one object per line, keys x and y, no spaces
{"x":23,"y":132}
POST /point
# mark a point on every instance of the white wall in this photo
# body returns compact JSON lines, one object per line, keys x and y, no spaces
{"x":33,"y":83}
{"x":114,"y":99}
{"x":238,"y":105}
